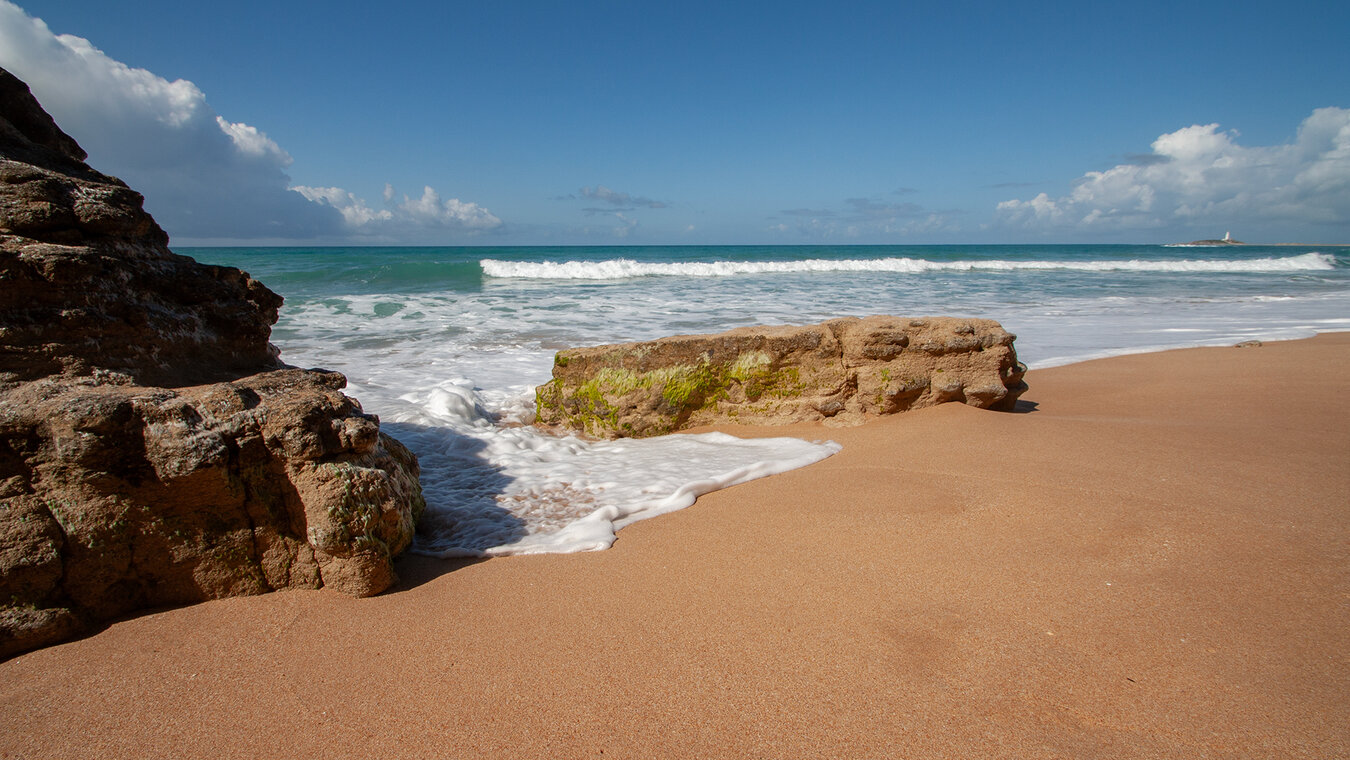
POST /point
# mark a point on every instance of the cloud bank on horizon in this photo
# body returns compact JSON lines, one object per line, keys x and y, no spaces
{"x":203,"y":176}
{"x":1200,"y":174}
{"x":207,"y":178}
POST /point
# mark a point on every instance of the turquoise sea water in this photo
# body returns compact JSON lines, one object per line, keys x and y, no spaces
{"x":446,"y":344}
{"x":1065,"y":302}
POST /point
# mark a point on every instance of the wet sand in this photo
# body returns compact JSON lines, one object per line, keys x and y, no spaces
{"x":1151,"y":560}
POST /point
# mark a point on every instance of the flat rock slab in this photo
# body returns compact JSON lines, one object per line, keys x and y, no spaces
{"x":843,"y":372}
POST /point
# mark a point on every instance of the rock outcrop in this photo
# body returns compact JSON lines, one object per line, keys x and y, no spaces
{"x":153,"y":448}
{"x":842,"y":372}
{"x":89,"y":282}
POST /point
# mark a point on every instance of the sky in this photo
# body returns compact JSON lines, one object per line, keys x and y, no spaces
{"x":593,"y":123}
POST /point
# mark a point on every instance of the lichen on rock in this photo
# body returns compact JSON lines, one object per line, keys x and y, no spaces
{"x":841,"y":372}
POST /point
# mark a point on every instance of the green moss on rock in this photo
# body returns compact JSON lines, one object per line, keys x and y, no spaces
{"x":598,"y":404}
{"x":843,"y":370}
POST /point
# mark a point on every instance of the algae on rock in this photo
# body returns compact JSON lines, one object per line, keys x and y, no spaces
{"x":842,"y":371}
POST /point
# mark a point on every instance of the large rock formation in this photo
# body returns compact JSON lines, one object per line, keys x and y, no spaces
{"x":842,"y":371}
{"x":153,"y":449}
{"x":89,"y":281}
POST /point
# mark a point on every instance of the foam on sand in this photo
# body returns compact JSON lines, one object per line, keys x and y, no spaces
{"x":497,"y":490}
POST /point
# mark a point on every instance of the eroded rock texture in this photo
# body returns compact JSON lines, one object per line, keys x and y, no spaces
{"x":153,"y":449}
{"x":119,"y":497}
{"x":842,"y":371}
{"x":89,"y":281}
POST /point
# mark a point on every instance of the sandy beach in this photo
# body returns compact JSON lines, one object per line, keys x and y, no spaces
{"x":1152,"y":560}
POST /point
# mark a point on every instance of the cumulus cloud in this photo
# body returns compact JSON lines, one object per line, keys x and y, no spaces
{"x":1201,"y":177}
{"x":356,"y":213}
{"x":251,"y":142}
{"x":425,"y":212}
{"x":202,"y":175}
{"x":430,"y":210}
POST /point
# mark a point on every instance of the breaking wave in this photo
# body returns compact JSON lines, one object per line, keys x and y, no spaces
{"x":619,"y":269}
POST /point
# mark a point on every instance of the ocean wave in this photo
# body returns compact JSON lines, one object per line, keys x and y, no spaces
{"x":620,"y":269}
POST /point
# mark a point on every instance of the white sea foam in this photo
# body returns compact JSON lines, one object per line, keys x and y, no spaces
{"x":498,"y":490}
{"x":618,"y":269}
{"x":493,"y":485}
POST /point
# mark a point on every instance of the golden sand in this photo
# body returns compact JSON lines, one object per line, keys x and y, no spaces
{"x":1153,"y":562}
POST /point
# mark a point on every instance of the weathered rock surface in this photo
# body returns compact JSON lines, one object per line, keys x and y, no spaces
{"x":153,"y":448}
{"x":843,"y":372}
{"x":119,"y":497}
{"x":90,"y":283}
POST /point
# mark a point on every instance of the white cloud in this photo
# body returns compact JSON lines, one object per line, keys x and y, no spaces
{"x":426,"y":212}
{"x":202,"y":175}
{"x":249,"y":141}
{"x":1200,"y":177}
{"x":432,"y":211}
{"x":355,"y":213}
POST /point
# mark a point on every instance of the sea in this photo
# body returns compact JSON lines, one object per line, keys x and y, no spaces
{"x":446,"y":345}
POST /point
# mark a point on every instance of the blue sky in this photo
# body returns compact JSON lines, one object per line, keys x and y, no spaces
{"x":705,"y":123}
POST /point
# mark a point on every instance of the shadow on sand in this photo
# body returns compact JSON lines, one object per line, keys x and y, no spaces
{"x":463,"y":511}
{"x":457,"y":481}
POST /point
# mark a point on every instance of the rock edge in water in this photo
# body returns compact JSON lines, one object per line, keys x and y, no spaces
{"x":154,"y":450}
{"x":842,"y":372}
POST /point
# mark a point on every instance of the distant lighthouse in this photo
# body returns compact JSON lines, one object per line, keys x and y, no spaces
{"x":1227,"y":240}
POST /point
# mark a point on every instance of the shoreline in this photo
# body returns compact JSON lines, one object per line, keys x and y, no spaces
{"x":1148,"y":561}
{"x":1057,"y":362}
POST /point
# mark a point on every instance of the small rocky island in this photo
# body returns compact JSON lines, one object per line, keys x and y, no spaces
{"x":1227,"y":239}
{"x":153,"y":449}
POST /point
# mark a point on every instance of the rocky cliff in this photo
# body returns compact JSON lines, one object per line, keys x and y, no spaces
{"x":153,"y":448}
{"x":842,"y":372}
{"x":89,"y":281}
